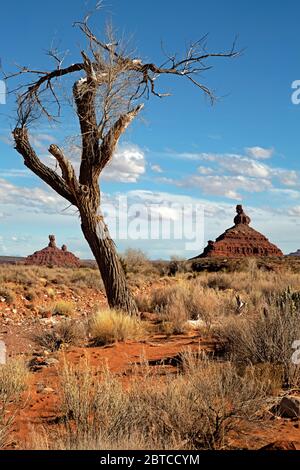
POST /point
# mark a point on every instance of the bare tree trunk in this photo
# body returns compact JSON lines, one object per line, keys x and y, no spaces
{"x":112,"y":273}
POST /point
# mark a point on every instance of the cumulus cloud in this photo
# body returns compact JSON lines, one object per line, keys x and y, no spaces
{"x":156,"y":168}
{"x":294,"y":211}
{"x":228,"y":174}
{"x":39,"y":141}
{"x":16,"y":173}
{"x":127,"y":165}
{"x":205,"y":170}
{"x":224,"y":185}
{"x":33,"y":199}
{"x":238,"y":165}
{"x":259,"y":153}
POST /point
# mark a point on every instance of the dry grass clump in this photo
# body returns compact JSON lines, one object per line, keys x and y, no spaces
{"x":266,"y":338}
{"x":137,"y":262}
{"x":195,"y":410}
{"x":138,"y":268}
{"x":109,"y":326}
{"x":86,"y":278}
{"x":13,"y":382}
{"x":8,"y":295}
{"x":63,"y":308}
{"x":219,"y":281}
{"x":187,"y":300}
{"x":42,"y":276}
{"x":66,"y":333}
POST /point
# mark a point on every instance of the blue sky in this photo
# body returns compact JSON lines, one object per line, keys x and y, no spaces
{"x":243,"y":149}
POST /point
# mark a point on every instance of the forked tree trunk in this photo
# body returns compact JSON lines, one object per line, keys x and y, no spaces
{"x":112,"y":273}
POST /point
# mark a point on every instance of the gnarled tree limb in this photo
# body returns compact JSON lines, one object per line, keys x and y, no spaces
{"x":67,"y":169}
{"x":112,"y":137}
{"x":32,"y":162}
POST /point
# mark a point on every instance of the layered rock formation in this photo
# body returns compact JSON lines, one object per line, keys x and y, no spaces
{"x":297,"y":253}
{"x":53,"y":256}
{"x":240,"y":240}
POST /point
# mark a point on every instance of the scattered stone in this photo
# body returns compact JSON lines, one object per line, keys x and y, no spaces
{"x":47,"y":390}
{"x":289,"y":407}
{"x":2,"y":353}
{"x":48,"y":321}
{"x":51,"y":361}
{"x":36,"y":364}
{"x":53,"y":256}
{"x":240,"y":241}
{"x":280,"y":445}
{"x":46,"y":314}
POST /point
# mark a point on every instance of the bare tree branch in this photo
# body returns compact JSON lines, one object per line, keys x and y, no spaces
{"x":109,"y":80}
{"x":67,"y":169}
{"x":32,"y":162}
{"x":112,"y":137}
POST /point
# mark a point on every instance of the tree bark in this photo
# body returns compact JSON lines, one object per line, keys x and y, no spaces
{"x":103,"y":248}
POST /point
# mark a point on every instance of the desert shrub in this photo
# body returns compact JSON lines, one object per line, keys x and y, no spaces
{"x":66,"y":333}
{"x":8,"y":295}
{"x":13,"y":382}
{"x":186,"y":300}
{"x":175,"y":314}
{"x":219,"y":281}
{"x":63,"y":308}
{"x":136,"y":262}
{"x":51,"y":293}
{"x":109,"y":326}
{"x":30,"y":296}
{"x":195,"y":410}
{"x":265,"y":338}
{"x":87,"y":278}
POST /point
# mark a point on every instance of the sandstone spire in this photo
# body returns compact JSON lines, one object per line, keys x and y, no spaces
{"x":53,"y":256}
{"x":240,"y":240}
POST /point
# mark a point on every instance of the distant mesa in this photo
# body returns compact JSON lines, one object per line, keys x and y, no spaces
{"x":53,"y":256}
{"x":240,"y":241}
{"x":297,"y":253}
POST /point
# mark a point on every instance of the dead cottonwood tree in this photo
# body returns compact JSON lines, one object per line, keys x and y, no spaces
{"x":109,"y":90}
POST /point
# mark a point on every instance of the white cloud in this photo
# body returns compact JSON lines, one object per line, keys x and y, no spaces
{"x":259,"y":153}
{"x":156,"y":168}
{"x":16,"y":173}
{"x":238,"y":165}
{"x":286,"y":177}
{"x":127,"y":165}
{"x":39,"y":141}
{"x":224,"y":185}
{"x":33,"y":199}
{"x":205,"y":170}
{"x":228,"y":174}
{"x":294,"y":211}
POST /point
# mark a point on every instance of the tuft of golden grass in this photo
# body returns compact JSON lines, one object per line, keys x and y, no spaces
{"x":108,"y":326}
{"x":193,"y":410}
{"x":63,"y":308}
{"x":66,"y":333}
{"x":13,"y":382}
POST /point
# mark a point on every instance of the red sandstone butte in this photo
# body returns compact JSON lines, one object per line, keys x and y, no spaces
{"x":53,"y":256}
{"x":240,"y":241}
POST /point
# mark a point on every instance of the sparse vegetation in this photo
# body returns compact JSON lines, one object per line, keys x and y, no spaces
{"x":7,"y":295}
{"x":13,"y":382}
{"x":108,"y":326}
{"x":195,"y":410}
{"x":266,"y":338}
{"x":66,"y":333}
{"x":64,"y":308}
{"x":155,"y":409}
